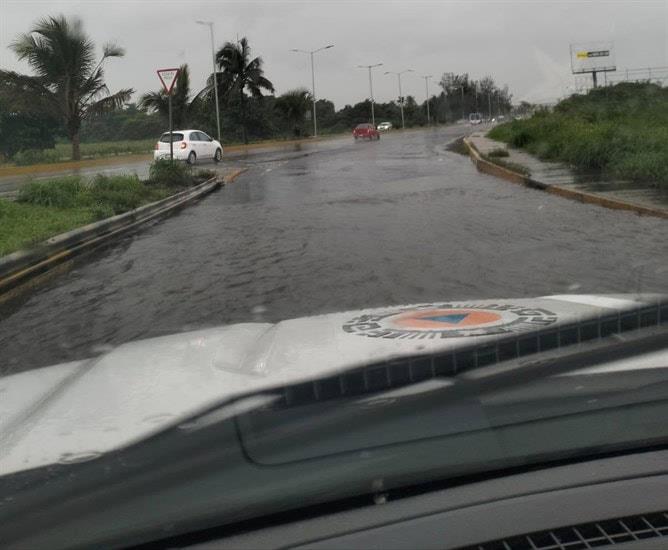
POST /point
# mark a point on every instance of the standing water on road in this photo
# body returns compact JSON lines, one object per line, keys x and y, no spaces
{"x":337,"y":227}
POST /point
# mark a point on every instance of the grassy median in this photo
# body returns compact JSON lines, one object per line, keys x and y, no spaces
{"x":46,"y":208}
{"x":62,"y":152}
{"x":618,"y":131}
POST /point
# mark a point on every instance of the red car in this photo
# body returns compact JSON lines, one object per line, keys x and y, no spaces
{"x":365,"y":131}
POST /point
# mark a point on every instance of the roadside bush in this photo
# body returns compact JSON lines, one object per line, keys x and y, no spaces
{"x":118,"y":193}
{"x":169,"y":173}
{"x":102,"y":211}
{"x":619,"y":131}
{"x":643,"y":166}
{"x":66,"y":192}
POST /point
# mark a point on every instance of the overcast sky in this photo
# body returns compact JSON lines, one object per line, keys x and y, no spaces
{"x":524,"y":44}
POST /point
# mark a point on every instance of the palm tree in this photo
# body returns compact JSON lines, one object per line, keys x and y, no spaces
{"x":182,"y":106}
{"x":68,"y":82}
{"x":294,"y":105}
{"x":240,"y":73}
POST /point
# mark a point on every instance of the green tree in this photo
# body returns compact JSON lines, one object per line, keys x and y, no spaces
{"x":182,"y":106}
{"x":240,"y":73}
{"x":294,"y":105}
{"x":20,"y":131}
{"x":68,"y":82}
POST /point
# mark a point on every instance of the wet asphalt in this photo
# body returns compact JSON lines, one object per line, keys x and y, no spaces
{"x":329,"y":227}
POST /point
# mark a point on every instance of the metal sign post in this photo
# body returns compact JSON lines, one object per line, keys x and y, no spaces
{"x":171,"y":137}
{"x":168,"y":78}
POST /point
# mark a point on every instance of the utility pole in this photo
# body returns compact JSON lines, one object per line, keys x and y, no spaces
{"x":215,"y":73}
{"x":463,"y":113}
{"x":311,"y":52}
{"x":369,"y":67}
{"x":401,"y":98}
{"x":426,"y":88}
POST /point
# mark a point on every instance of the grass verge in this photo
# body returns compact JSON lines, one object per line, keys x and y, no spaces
{"x":46,"y":208}
{"x":618,"y":131}
{"x":63,"y":151}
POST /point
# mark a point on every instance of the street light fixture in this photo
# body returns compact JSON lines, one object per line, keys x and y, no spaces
{"x":311,"y":52}
{"x":215,"y":74}
{"x":369,"y":67}
{"x":426,"y":87}
{"x":401,"y":99}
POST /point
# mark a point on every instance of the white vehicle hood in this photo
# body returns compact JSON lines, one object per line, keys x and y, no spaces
{"x":76,"y":411}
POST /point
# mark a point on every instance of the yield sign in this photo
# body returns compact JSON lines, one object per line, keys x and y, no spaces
{"x":168,"y":78}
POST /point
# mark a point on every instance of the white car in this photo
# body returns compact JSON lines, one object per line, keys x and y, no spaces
{"x":189,"y":145}
{"x":384,"y":126}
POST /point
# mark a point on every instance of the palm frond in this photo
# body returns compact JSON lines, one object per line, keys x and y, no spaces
{"x":109,"y":103}
{"x":93,"y":87}
{"x":112,"y":50}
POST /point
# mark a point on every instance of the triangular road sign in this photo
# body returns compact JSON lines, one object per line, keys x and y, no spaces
{"x":168,"y":78}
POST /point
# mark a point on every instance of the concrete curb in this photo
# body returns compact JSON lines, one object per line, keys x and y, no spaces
{"x":488,"y":167}
{"x":20,"y":266}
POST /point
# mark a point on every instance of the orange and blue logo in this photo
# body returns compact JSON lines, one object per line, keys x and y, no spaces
{"x":450,"y":320}
{"x":444,"y":319}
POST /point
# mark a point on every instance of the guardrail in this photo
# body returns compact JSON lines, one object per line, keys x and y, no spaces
{"x":21,"y":266}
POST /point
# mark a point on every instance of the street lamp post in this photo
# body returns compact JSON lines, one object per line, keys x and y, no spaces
{"x":426,"y":88}
{"x":369,"y":67}
{"x":401,"y":99}
{"x":215,"y":74}
{"x":311,"y":52}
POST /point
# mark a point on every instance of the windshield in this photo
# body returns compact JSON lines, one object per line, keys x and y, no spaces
{"x":311,"y":242}
{"x":164,"y":138}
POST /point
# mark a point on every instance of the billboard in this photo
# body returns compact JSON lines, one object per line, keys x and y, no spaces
{"x":592,"y":57}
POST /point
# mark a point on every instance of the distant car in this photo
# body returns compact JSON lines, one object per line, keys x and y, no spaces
{"x":475,"y":118}
{"x":365,"y":131}
{"x":384,"y":126}
{"x":189,"y":145}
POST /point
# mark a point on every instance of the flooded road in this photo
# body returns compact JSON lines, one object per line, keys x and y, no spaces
{"x":339,"y":226}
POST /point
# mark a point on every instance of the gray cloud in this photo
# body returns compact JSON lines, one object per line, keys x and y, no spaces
{"x":521,"y":43}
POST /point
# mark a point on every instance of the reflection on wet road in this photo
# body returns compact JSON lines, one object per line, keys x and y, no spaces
{"x":340,"y":226}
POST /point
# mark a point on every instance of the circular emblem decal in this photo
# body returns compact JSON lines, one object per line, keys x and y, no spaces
{"x":450,"y":320}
